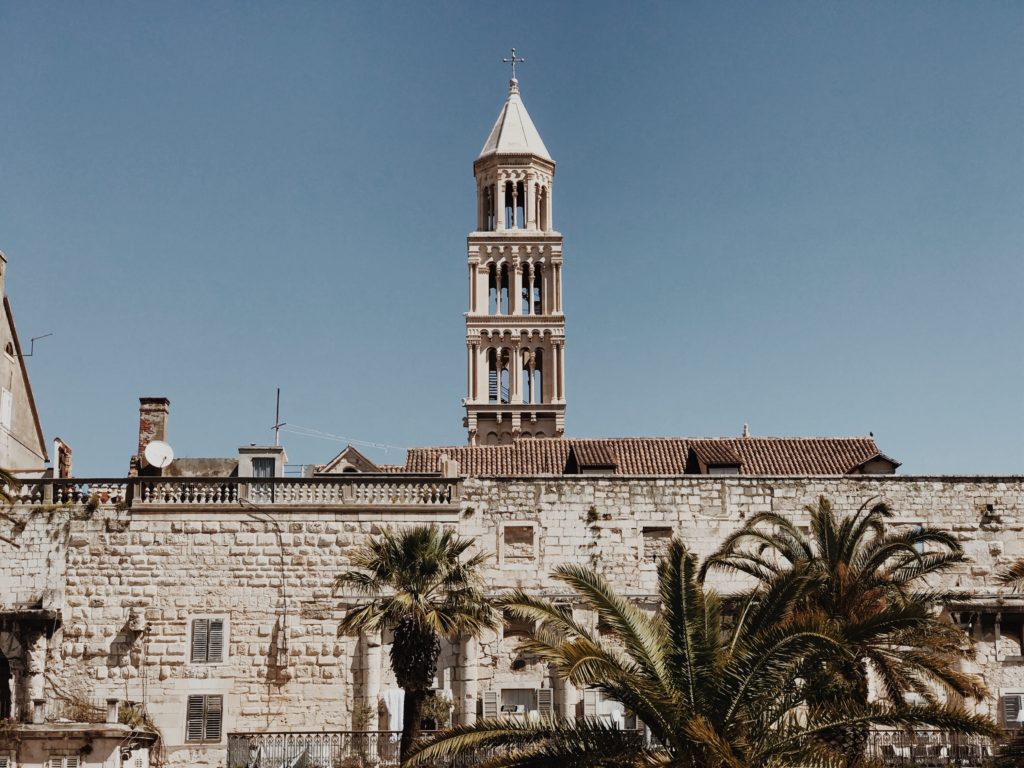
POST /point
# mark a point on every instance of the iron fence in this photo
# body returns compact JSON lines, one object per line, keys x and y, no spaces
{"x":340,"y":749}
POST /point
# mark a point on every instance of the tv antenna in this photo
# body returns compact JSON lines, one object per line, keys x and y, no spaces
{"x":277,"y":420}
{"x":32,"y":344}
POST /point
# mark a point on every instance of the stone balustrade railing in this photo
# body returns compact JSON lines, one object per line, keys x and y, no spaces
{"x":241,"y":492}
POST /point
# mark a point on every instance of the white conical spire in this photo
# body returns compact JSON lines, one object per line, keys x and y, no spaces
{"x":514,"y":132}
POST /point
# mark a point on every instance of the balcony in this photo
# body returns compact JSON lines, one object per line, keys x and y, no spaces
{"x":231,"y":492}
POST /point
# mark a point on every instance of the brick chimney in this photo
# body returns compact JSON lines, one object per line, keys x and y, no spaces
{"x":153,"y":412}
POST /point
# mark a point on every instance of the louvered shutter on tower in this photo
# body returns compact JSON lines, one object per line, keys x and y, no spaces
{"x":490,"y":704}
{"x":215,"y":649}
{"x":200,"y":639}
{"x":545,"y":702}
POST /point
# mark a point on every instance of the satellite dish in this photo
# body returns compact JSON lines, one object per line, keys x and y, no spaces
{"x":158,"y":454}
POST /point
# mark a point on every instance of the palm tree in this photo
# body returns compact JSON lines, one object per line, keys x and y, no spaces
{"x":715,"y":693}
{"x":1013,"y":577}
{"x":868,"y":586}
{"x":422,"y":590}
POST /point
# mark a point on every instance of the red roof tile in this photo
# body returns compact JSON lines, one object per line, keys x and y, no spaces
{"x":655,"y":455}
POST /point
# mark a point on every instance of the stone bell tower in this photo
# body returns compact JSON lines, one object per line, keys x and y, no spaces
{"x":515,"y":329}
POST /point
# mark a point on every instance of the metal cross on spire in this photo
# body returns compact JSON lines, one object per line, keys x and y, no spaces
{"x":513,"y":61}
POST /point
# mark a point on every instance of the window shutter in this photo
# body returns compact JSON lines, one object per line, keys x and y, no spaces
{"x":490,"y":704}
{"x":5,"y":762}
{"x":214,"y":717}
{"x":1011,"y":711}
{"x":545,"y":701}
{"x":590,"y":702}
{"x":215,"y":649}
{"x":194,"y":719}
{"x":56,"y":762}
{"x":71,"y":761}
{"x":200,"y":639}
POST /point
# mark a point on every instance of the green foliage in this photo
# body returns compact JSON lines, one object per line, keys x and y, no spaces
{"x":713,"y":696}
{"x":418,"y":584}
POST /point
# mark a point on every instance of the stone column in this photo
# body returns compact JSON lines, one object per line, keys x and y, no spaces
{"x":469,"y":370}
{"x":515,"y":205}
{"x":547,"y":200}
{"x":470,"y":652}
{"x":35,"y":664}
{"x":371,"y":671}
{"x":515,"y":288}
{"x":529,"y":204}
{"x":497,"y":289}
{"x":558,"y":288}
{"x":567,"y":698}
{"x":528,"y":274}
{"x":553,"y":362}
{"x":472,"y":288}
{"x":560,"y":349}
{"x":499,"y":205}
{"x":515,"y":375}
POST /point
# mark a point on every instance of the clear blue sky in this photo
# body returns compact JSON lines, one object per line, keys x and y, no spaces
{"x":804,"y":216}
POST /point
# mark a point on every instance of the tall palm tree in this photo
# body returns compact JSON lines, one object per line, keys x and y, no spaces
{"x":715,"y":693}
{"x":421,"y":589}
{"x":868,"y":585}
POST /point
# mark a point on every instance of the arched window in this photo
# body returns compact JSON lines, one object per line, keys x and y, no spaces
{"x":506,"y":382}
{"x":492,"y":375}
{"x":491,"y":439}
{"x":492,"y":290}
{"x":526,"y":382}
{"x":504,"y":305}
{"x":537,"y":291}
{"x":509,"y":211}
{"x":526,"y":289}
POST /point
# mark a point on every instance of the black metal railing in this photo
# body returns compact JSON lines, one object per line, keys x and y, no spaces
{"x":943,"y":749}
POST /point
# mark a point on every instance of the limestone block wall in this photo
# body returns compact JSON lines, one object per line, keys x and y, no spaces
{"x":134,"y":579}
{"x":32,"y":548}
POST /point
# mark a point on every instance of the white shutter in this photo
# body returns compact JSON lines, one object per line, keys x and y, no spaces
{"x":6,"y":409}
{"x":545,"y":702}
{"x":56,"y":762}
{"x":590,"y":699}
{"x":5,"y":762}
{"x":1011,"y":711}
{"x":200,"y":640}
{"x":490,"y":705}
{"x":71,"y":761}
{"x":194,"y":718}
{"x":215,"y":649}
{"x":214,"y":717}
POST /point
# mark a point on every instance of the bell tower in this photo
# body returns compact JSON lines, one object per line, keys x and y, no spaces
{"x":515,"y":329}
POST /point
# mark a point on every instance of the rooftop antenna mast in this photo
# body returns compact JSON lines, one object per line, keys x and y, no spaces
{"x":277,"y":420}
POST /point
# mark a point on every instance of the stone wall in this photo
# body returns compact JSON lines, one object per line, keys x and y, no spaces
{"x":269,"y":574}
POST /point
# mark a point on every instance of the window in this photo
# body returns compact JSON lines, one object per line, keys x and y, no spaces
{"x":6,"y":761}
{"x":65,"y":761}
{"x":916,"y":530}
{"x":6,"y":409}
{"x":656,"y":542}
{"x":518,"y":543}
{"x":207,"y":641}
{"x":1013,"y":711}
{"x":263,"y":466}
{"x":203,"y":719}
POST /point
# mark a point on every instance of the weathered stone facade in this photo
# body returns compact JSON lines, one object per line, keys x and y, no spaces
{"x":128,"y":578}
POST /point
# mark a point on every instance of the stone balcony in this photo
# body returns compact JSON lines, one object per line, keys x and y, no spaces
{"x":399,"y":491}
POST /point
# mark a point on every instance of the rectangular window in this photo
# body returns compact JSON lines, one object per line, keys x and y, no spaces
{"x":6,"y":761}
{"x":203,"y":719}
{"x":6,"y":409}
{"x":263,"y":466}
{"x":655,"y":543}
{"x":65,"y":761}
{"x":518,"y":543}
{"x":207,"y":641}
{"x":1013,"y":711}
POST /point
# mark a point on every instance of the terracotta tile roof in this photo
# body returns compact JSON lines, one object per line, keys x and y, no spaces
{"x":656,"y":455}
{"x":594,"y":453}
